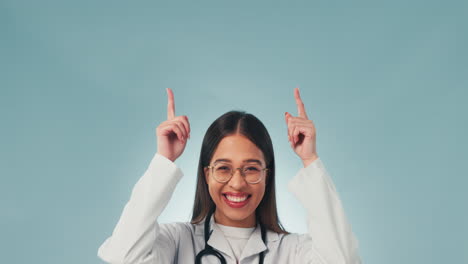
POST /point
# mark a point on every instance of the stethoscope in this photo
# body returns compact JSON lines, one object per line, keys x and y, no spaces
{"x":209,"y":250}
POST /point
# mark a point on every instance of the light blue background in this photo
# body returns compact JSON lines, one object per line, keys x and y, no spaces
{"x":83,"y":89}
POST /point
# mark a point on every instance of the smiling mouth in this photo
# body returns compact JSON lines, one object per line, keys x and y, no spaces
{"x":237,"y":199}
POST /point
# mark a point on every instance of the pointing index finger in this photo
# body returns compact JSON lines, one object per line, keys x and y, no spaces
{"x":170,"y":104}
{"x":300,"y":105}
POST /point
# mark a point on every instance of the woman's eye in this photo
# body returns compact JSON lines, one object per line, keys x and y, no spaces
{"x":222,"y":168}
{"x":252,"y":169}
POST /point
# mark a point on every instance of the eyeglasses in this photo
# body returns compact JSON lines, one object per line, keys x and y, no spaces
{"x":223,"y":172}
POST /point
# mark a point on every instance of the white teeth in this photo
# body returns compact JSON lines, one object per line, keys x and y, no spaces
{"x":236,"y":199}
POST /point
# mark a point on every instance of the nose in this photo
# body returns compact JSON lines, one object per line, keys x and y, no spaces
{"x":237,"y":181}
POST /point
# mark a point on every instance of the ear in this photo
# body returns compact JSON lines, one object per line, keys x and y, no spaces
{"x":206,"y":170}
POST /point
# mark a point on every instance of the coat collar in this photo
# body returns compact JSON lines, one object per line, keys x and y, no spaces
{"x":219,"y":242}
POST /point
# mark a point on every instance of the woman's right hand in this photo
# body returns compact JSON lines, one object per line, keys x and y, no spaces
{"x":173,"y":133}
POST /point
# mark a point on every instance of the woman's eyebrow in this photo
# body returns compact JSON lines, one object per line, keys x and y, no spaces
{"x":244,"y":161}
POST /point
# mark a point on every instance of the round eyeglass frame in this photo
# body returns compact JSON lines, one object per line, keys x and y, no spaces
{"x":234,"y":171}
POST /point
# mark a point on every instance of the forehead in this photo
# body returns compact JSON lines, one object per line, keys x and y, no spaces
{"x":237,"y":149}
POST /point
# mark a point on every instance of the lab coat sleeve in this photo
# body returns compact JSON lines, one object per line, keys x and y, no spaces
{"x":138,"y":238}
{"x":330,"y":239}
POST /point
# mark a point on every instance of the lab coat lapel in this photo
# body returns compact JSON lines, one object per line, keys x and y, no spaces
{"x":218,"y":241}
{"x":254,"y":245}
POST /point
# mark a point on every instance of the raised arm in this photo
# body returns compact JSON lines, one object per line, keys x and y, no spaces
{"x":138,"y":238}
{"x":330,"y":239}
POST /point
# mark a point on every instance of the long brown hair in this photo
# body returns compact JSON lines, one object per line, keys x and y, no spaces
{"x":248,"y":125}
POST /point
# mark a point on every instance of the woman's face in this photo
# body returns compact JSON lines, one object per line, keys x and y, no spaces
{"x":238,"y":151}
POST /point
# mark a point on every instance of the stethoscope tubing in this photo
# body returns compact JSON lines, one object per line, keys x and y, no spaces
{"x":209,"y":250}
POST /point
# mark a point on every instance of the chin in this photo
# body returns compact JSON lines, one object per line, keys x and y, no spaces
{"x":237,"y":216}
{"x":233,"y":214}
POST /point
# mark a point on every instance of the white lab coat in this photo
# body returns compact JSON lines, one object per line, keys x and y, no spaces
{"x":138,"y":238}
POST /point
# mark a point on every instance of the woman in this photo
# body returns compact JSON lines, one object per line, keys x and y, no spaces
{"x":234,"y":217}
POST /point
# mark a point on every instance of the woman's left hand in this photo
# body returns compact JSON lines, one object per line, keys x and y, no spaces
{"x":301,"y":133}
